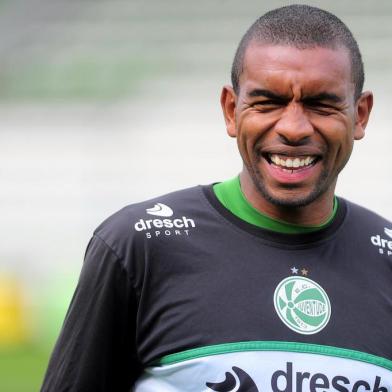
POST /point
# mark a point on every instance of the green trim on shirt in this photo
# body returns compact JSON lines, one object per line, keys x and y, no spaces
{"x":229,"y":193}
{"x":294,"y":347}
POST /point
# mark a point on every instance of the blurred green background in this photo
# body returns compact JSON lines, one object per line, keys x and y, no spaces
{"x":104,"y":103}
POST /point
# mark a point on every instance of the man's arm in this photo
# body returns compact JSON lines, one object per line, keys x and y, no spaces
{"x":96,"y":347}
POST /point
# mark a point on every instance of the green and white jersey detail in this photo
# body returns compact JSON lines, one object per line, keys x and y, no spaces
{"x":268,"y":366}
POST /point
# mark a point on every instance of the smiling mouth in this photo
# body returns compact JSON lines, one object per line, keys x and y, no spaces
{"x":292,"y":163}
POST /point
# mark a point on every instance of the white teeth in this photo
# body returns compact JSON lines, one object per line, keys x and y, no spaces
{"x":291,"y":162}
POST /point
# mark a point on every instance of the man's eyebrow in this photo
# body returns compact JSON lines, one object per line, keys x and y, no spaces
{"x":267,"y":94}
{"x":323,"y":96}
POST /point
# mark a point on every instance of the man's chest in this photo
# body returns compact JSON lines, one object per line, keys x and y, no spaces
{"x":328,"y":294}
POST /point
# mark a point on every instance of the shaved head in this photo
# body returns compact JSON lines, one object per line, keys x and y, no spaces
{"x":302,"y":27}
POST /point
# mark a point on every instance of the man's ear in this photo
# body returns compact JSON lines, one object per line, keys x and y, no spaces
{"x":228,"y":103}
{"x":363,"y":108}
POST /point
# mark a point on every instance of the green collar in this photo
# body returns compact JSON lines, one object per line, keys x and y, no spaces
{"x":229,"y":193}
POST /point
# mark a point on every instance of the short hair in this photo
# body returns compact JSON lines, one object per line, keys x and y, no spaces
{"x":303,"y":27}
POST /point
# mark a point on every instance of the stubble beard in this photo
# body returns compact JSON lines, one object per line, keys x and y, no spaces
{"x":290,"y":201}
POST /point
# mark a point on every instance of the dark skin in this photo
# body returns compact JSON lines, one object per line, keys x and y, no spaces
{"x":295,"y":119}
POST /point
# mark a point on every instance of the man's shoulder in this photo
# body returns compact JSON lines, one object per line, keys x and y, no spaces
{"x":362,"y":212}
{"x":120,"y":226}
{"x":364,"y":217}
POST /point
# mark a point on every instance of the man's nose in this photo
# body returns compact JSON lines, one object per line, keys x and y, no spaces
{"x":294,"y":126}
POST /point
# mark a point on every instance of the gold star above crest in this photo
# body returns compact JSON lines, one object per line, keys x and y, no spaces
{"x":304,"y":272}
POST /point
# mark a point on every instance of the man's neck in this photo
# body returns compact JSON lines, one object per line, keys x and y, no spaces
{"x":229,"y":193}
{"x":314,"y":214}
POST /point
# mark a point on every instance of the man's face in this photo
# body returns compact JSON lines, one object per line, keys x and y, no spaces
{"x":295,"y":120}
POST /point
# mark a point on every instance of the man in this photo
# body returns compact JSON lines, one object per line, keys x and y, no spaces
{"x":266,"y":282}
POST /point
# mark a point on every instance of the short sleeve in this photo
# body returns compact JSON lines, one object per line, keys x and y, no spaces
{"x":96,"y":348}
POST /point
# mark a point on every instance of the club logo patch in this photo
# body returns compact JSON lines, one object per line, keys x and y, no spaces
{"x":302,"y":305}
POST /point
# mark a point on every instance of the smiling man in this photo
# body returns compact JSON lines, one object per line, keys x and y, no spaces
{"x":295,"y":113}
{"x":267,"y":281}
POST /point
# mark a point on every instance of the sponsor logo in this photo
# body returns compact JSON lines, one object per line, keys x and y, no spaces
{"x":243,"y":382}
{"x":302,"y":305}
{"x":388,"y":232}
{"x":160,"y":209}
{"x":289,"y":380}
{"x":384,"y":245}
{"x":164,"y":227}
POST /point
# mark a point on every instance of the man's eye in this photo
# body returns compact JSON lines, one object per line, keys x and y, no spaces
{"x":321,"y":105}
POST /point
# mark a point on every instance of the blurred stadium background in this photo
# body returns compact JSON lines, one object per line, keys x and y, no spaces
{"x":104,"y":103}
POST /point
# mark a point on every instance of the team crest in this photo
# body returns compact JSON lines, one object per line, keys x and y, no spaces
{"x":302,"y":305}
